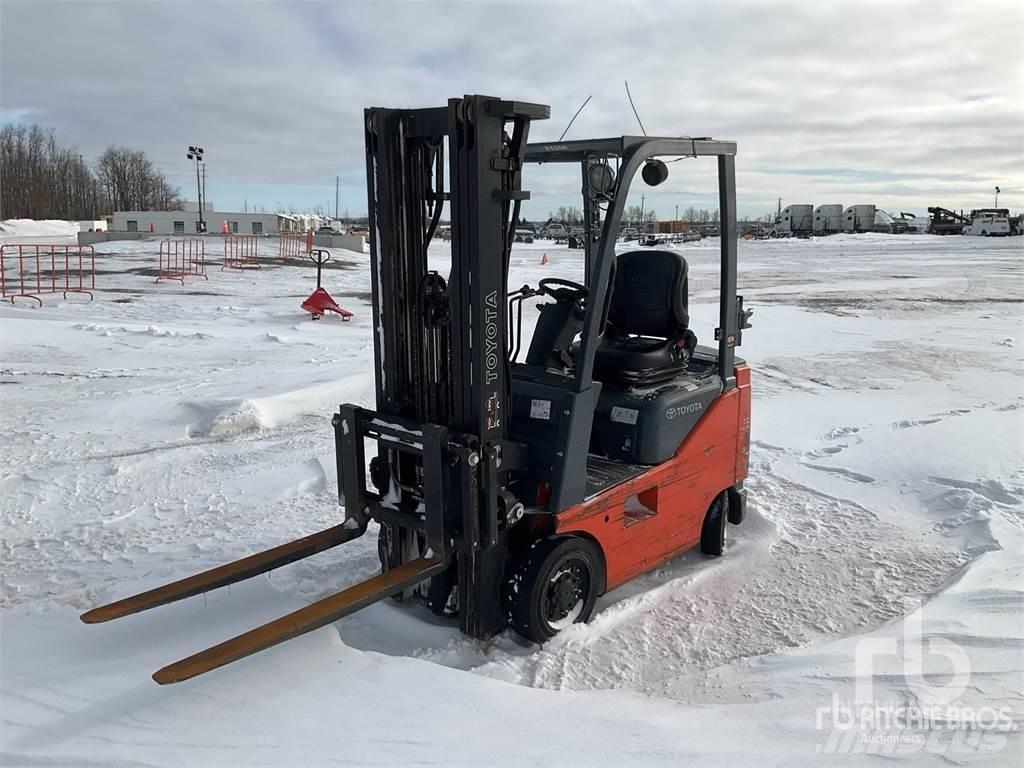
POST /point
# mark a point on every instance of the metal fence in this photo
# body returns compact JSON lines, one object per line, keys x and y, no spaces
{"x":32,"y":270}
{"x":241,"y":252}
{"x":293,"y":245}
{"x":182,"y":258}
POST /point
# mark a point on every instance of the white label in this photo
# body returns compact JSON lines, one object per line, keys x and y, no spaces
{"x":540,"y":409}
{"x":624,"y":415}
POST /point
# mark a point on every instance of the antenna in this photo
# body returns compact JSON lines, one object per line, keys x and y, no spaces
{"x":575,"y":116}
{"x":630,"y":97}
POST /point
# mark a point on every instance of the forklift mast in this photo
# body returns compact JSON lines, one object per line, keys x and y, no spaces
{"x":442,"y":370}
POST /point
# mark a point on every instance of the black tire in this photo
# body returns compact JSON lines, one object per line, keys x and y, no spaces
{"x":551,"y":585}
{"x":712,"y":533}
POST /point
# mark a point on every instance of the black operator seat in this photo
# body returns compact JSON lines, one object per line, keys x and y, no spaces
{"x":647,"y":340}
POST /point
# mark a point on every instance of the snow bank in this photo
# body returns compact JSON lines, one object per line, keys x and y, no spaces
{"x":29,"y":228}
{"x":234,"y":417}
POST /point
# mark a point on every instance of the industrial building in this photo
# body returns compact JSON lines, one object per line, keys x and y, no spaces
{"x":187,"y":222}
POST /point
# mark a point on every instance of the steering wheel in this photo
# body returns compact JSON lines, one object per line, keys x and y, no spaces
{"x":563,"y":290}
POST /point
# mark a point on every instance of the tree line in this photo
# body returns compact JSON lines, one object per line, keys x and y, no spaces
{"x":39,"y":179}
{"x":635,"y":214}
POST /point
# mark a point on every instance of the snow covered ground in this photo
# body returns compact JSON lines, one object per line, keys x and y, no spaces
{"x":163,"y":429}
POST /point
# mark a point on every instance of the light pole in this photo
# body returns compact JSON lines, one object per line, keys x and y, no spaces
{"x":997,"y":198}
{"x":196,"y":153}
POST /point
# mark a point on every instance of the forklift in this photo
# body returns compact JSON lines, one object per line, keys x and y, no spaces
{"x":512,"y":493}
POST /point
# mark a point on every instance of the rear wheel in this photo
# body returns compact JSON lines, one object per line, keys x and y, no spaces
{"x":552,"y":585}
{"x":712,"y":533}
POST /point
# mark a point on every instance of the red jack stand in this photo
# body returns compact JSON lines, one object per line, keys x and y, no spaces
{"x":320,"y":301}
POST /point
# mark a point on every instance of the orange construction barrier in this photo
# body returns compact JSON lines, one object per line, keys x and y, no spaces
{"x":289,"y":245}
{"x":182,"y":258}
{"x":240,"y":252}
{"x":31,"y":270}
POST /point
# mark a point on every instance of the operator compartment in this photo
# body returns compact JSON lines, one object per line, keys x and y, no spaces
{"x":656,"y":383}
{"x":646,"y":425}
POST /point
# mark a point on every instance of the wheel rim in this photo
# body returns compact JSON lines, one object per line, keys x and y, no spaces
{"x":565,"y":593}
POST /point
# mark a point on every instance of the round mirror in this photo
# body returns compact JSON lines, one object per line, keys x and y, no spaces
{"x":601,"y":179}
{"x":655,"y":172}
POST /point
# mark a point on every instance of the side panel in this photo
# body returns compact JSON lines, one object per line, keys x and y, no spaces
{"x":659,"y":514}
{"x":743,"y":433}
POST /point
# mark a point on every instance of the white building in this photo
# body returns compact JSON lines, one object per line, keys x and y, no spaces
{"x":187,"y":222}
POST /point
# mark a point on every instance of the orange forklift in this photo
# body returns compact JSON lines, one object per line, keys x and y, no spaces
{"x":513,"y":481}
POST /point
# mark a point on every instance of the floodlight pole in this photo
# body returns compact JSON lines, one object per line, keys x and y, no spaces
{"x":196,"y":153}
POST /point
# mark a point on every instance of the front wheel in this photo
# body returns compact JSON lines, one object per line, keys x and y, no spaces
{"x":552,"y":585}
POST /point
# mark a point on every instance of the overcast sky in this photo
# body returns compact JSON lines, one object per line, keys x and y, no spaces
{"x":901,"y":104}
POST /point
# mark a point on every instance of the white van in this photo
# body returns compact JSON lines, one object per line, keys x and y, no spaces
{"x":988,"y":225}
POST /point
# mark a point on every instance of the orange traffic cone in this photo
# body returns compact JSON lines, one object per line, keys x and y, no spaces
{"x":544,"y":259}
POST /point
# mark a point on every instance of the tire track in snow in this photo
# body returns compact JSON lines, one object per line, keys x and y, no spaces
{"x":804,"y":567}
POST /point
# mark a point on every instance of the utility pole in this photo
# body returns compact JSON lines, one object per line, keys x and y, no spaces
{"x":196,"y":153}
{"x":337,"y":193}
{"x":642,"y":201}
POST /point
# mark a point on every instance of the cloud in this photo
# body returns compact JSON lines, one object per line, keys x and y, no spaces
{"x":912,"y":104}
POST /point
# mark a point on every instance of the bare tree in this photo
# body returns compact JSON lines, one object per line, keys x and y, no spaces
{"x":131,"y":183}
{"x":567,"y":215}
{"x":40,"y":180}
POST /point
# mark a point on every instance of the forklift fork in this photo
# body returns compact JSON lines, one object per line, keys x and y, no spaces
{"x":231,"y":573}
{"x":306,"y":619}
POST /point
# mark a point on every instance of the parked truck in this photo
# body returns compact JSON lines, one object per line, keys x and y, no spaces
{"x":989,"y":222}
{"x":859,"y":218}
{"x":794,"y":221}
{"x":828,"y":219}
{"x":946,"y":222}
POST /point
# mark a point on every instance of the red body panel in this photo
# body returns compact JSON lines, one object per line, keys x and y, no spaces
{"x":678,"y":492}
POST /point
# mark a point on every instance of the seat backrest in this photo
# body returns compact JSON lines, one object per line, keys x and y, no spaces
{"x":650,"y":294}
